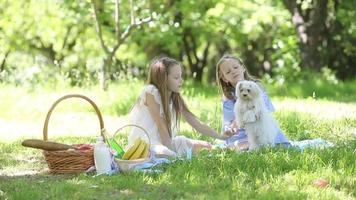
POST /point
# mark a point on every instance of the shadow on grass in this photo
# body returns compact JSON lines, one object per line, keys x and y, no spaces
{"x":274,"y":173}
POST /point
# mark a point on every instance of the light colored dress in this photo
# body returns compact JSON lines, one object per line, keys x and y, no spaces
{"x":141,"y":116}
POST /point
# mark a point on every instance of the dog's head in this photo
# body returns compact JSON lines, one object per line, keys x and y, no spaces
{"x":247,"y":90}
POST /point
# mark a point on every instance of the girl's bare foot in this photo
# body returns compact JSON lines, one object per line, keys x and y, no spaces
{"x":199,"y":145}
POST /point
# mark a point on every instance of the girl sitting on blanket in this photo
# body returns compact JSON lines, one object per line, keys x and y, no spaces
{"x":229,"y":71}
{"x":159,"y":108}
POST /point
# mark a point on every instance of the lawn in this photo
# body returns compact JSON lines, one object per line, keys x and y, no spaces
{"x":277,"y":173}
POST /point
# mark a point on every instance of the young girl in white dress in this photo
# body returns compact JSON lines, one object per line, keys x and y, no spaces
{"x":159,"y":108}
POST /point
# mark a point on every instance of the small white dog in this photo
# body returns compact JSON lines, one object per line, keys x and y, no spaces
{"x":252,"y":114}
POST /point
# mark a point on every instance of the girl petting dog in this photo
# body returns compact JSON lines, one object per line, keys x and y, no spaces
{"x":230,"y":70}
{"x":159,"y":108}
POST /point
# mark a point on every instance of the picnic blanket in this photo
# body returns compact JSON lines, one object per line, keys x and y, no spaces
{"x":301,"y":145}
{"x":154,"y":161}
{"x":146,"y":166}
{"x":311,"y":143}
{"x":149,"y":167}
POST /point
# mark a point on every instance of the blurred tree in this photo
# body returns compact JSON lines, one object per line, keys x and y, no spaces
{"x":120,"y":36}
{"x":197,"y":35}
{"x":323,"y":36}
{"x":256,"y":31}
{"x":55,"y":38}
{"x":341,"y":54}
{"x":309,"y":18}
{"x":53,"y":31}
{"x":186,"y":32}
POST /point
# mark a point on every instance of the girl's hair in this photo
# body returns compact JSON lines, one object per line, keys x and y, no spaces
{"x":158,"y":76}
{"x":227,"y":88}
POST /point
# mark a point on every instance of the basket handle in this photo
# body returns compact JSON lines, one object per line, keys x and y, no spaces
{"x":45,"y":127}
{"x":128,"y":125}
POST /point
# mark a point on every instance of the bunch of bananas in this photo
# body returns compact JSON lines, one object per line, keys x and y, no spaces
{"x":140,"y":149}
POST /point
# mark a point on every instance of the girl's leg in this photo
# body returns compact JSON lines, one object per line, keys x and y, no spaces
{"x":199,"y":145}
{"x":182,"y":145}
{"x":161,"y":151}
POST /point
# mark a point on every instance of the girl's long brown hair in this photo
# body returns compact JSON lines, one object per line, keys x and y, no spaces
{"x":227,"y":88}
{"x":158,"y":76}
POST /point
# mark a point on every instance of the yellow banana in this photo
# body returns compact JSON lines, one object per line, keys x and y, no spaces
{"x":132,"y":149}
{"x":146,"y":151}
{"x":138,"y":151}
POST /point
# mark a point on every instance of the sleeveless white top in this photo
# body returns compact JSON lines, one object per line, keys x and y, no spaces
{"x":141,"y":116}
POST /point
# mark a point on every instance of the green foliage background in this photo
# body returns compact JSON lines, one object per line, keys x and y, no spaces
{"x":43,"y":41}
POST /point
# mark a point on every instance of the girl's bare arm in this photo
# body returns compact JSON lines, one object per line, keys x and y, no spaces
{"x":200,"y":127}
{"x":154,"y":109}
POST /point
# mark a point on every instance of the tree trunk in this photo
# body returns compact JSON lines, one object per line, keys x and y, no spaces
{"x":196,"y":63}
{"x":310,"y":26}
{"x":103,"y":74}
{"x":3,"y":63}
{"x":120,"y":36}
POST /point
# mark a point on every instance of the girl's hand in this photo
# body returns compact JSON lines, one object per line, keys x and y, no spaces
{"x":224,"y":137}
{"x":229,"y":132}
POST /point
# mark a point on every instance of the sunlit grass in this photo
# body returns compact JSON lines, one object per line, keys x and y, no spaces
{"x":277,"y":173}
{"x":24,"y":111}
{"x":325,"y":109}
{"x":269,"y":173}
{"x":315,"y":88}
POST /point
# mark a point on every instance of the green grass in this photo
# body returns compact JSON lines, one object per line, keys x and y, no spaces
{"x":316,"y":88}
{"x":266,"y":174}
{"x":276,"y":173}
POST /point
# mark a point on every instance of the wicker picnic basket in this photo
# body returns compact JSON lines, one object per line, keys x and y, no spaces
{"x":72,"y":160}
{"x":127,"y":165}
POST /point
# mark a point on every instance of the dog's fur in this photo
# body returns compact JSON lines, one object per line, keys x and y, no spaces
{"x":251,"y":113}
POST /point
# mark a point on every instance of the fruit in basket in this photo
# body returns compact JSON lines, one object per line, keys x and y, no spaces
{"x":132,"y":149}
{"x":138,"y":150}
{"x":146,"y":152}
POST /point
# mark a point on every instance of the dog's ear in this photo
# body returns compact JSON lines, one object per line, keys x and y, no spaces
{"x":238,"y":88}
{"x":239,"y":85}
{"x":256,"y":89}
